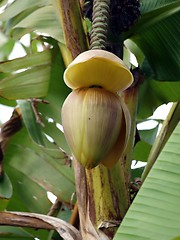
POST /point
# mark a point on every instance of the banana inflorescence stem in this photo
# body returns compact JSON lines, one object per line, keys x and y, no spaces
{"x":100,"y":22}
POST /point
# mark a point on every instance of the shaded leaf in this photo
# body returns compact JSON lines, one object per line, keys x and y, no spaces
{"x":157,"y":35}
{"x":14,"y":233}
{"x":136,"y":173}
{"x":5,"y":191}
{"x":141,"y":151}
{"x":30,"y":121}
{"x":57,"y":135}
{"x":154,"y":93}
{"x":149,"y":135}
{"x":27,"y":194}
{"x":43,"y":166}
{"x":58,"y":91}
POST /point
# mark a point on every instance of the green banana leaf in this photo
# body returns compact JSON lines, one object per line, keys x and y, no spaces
{"x":155,"y":211}
{"x":30,"y":16}
{"x":48,"y":168}
{"x":26,"y":77}
{"x":5,"y":191}
{"x":13,"y":233}
{"x":156,"y":34}
{"x":143,"y":147}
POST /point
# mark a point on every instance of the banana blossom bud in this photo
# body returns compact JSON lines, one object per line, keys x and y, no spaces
{"x":96,"y":121}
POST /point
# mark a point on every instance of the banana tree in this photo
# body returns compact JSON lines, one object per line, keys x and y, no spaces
{"x":77,"y":98}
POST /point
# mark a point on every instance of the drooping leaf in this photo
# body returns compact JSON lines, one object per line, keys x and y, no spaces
{"x":33,"y":79}
{"x":45,"y":167}
{"x":18,"y":6}
{"x":29,"y":61}
{"x":43,"y":20}
{"x":155,"y":211}
{"x":32,"y":83}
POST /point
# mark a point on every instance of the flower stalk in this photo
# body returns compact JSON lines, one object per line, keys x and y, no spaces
{"x":102,"y":193}
{"x":100,"y":22}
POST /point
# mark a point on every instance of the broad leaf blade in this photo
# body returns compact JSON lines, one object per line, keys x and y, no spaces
{"x":28,"y":195}
{"x":157,"y":35}
{"x":32,"y":83}
{"x":45,"y":167}
{"x":29,"y":61}
{"x":155,"y":93}
{"x":155,"y":211}
{"x":43,"y":20}
{"x":19,"y":6}
{"x":141,"y":151}
{"x":28,"y":77}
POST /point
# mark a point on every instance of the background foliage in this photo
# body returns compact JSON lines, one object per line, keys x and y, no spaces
{"x":34,"y":165}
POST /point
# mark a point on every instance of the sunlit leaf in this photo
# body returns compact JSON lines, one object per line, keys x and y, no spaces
{"x":33,"y":79}
{"x":32,"y":83}
{"x":29,"y":61}
{"x":18,"y":6}
{"x":159,"y":194}
{"x":43,"y":20}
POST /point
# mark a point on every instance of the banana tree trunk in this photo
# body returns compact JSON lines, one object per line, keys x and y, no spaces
{"x":102,"y":200}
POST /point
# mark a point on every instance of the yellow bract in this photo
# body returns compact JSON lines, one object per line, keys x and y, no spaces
{"x":98,"y":68}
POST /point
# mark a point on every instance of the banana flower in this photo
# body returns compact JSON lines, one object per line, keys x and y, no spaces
{"x":95,"y":119}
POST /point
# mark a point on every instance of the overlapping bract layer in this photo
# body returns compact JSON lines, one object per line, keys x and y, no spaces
{"x":92,"y":119}
{"x":96,"y":121}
